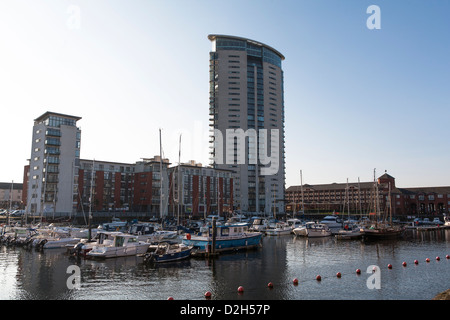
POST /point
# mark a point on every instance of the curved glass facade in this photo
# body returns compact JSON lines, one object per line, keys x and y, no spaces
{"x":252,"y":48}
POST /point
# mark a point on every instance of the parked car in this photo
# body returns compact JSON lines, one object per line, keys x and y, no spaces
{"x":437,"y":221}
{"x":17,"y":213}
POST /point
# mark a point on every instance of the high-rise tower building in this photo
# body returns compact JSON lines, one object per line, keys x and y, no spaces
{"x":246,"y":109}
{"x":54,"y":162}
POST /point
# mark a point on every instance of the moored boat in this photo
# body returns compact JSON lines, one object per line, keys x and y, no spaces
{"x":123,"y":245}
{"x":168,"y":251}
{"x":316,"y":230}
{"x":333,"y":222}
{"x":227,"y":238}
{"x":280,"y":228}
{"x":350,"y":233}
{"x":301,"y":230}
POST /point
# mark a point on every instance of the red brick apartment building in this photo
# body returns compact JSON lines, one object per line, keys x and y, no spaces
{"x":359,"y":197}
{"x":190,"y":188}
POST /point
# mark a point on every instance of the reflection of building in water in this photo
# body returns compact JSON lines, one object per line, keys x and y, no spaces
{"x":251,"y":269}
{"x":42,"y":275}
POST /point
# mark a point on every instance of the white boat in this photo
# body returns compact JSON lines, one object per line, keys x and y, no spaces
{"x":316,"y":230}
{"x":123,"y":245}
{"x":161,"y":235}
{"x":333,"y":222}
{"x":350,"y":233}
{"x":259,"y":225}
{"x":115,"y":225}
{"x":294,"y":223}
{"x":84,"y":245}
{"x":280,"y":228}
{"x":446,"y":221}
{"x":56,"y":237}
{"x":301,"y":230}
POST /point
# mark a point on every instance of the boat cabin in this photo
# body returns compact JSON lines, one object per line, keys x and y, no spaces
{"x":228,"y":230}
{"x":124,"y":240}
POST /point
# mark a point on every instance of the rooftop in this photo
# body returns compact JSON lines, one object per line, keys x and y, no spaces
{"x":213,"y":37}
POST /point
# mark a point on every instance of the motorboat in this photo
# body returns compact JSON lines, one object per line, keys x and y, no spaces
{"x":115,"y":225}
{"x":56,"y":238}
{"x":446,"y":221}
{"x":85,"y":245}
{"x":316,"y":230}
{"x":350,"y":232}
{"x":226,"y":238}
{"x":144,"y":230}
{"x":294,"y":223}
{"x":123,"y":245}
{"x":280,"y":228}
{"x":161,"y":235}
{"x":333,"y":222}
{"x":259,"y":225}
{"x":301,"y":230}
{"x":237,"y":220}
{"x":168,"y":251}
{"x":19,"y":236}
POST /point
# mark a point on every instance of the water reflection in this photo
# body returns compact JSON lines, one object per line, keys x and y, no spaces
{"x":42,"y":275}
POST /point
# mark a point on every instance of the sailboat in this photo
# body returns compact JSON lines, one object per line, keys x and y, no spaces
{"x":349,"y":231}
{"x":382,"y":229}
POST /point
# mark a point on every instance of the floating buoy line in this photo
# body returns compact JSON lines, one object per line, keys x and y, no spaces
{"x":296,"y":282}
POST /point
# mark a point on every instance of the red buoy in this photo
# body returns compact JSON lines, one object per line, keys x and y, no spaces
{"x":358,"y":271}
{"x":241,"y":289}
{"x":389,"y":266}
{"x":447,"y":256}
{"x":404,"y":264}
{"x":338,"y":275}
{"x":270,"y":285}
{"x":208,"y":295}
{"x":427,"y":259}
{"x":318,"y":278}
{"x":437,"y":258}
{"x":416,"y":262}
{"x":295,"y":281}
{"x":170,"y":298}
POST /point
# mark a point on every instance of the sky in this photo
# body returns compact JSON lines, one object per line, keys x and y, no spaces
{"x":357,"y":99}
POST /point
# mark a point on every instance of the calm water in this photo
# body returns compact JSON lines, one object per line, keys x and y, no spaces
{"x":34,"y":275}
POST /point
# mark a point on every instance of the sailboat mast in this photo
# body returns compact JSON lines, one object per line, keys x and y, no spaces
{"x":90,"y":201}
{"x":359,"y":188}
{"x":160,"y":178}
{"x":301,"y":189}
{"x":178,"y":173}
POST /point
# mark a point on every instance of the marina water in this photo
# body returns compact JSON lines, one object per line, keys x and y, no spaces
{"x":32,"y":275}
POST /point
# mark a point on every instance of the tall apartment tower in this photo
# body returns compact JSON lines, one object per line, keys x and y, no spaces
{"x":246,"y":109}
{"x":54,"y":162}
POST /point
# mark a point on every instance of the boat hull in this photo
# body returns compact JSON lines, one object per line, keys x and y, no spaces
{"x":174,"y":256}
{"x":204,"y":243}
{"x":278,"y":232}
{"x":114,"y":252}
{"x":383,"y":233}
{"x":318,"y":233}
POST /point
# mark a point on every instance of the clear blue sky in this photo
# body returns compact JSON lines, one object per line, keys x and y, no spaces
{"x":355,"y":99}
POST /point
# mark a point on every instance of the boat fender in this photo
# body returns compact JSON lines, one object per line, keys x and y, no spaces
{"x":188,"y":236}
